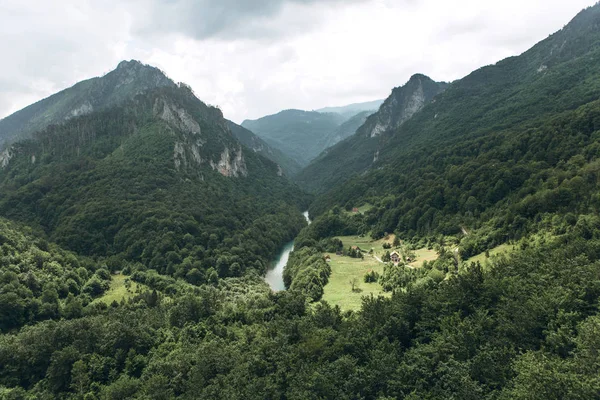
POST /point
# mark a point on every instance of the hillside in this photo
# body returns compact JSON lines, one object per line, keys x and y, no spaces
{"x":298,"y":134}
{"x":127,"y":80}
{"x":501,"y":150}
{"x":350,"y":110}
{"x":361,"y":150}
{"x":256,"y":144}
{"x":347,"y":129}
{"x":145,"y":181}
{"x":452,"y":249}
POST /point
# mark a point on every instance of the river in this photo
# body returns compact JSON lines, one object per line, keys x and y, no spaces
{"x":274,"y":275}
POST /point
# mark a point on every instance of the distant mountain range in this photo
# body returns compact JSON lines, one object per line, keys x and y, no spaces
{"x":352,"y":109}
{"x":303,"y":135}
{"x":361,"y":149}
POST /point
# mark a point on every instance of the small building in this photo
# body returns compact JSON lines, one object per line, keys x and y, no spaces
{"x":355,"y":210}
{"x":395,"y":257}
{"x":327,"y":258}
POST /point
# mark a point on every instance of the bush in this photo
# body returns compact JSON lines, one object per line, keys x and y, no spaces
{"x":371,"y":277}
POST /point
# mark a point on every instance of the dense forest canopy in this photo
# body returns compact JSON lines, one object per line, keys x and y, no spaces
{"x":134,"y":240}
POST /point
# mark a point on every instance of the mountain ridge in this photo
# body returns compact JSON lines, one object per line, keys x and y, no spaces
{"x":127,"y":80}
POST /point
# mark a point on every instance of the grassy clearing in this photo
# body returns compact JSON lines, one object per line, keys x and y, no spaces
{"x":482,"y":259}
{"x":343,"y":269}
{"x":361,"y":210}
{"x":119,"y":291}
{"x":423,"y":254}
{"x":366,"y":243}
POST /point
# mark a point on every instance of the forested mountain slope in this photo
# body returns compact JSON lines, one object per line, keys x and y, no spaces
{"x":256,"y":144}
{"x":350,"y":110}
{"x":299,"y":134}
{"x":348,"y":128}
{"x":127,"y":80}
{"x":361,"y":150}
{"x":160,"y":183}
{"x":507,"y":144}
{"x":159,"y":180}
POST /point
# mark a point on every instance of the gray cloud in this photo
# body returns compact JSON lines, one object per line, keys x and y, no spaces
{"x":228,"y":19}
{"x":254,"y":58}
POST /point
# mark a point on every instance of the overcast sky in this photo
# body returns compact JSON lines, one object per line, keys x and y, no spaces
{"x":256,"y":57}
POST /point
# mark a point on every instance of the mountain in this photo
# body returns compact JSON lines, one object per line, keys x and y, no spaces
{"x":499,"y":151}
{"x":303,"y":135}
{"x":158,"y":180}
{"x":123,"y":83}
{"x":299,"y":134}
{"x":361,"y":150}
{"x":353,"y":109}
{"x":346,"y":129}
{"x":256,"y":144}
{"x":492,"y":185}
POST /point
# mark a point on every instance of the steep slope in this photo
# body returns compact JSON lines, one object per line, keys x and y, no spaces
{"x":347,"y":129}
{"x":256,"y":144}
{"x":504,"y":150}
{"x":353,"y":109}
{"x":298,"y":134}
{"x":127,"y":80}
{"x":361,"y":150}
{"x":159,"y":180}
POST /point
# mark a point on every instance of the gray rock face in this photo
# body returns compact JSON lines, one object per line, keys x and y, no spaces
{"x":231,"y":164}
{"x":176,"y":116}
{"x":402,"y":104}
{"x":5,"y":157}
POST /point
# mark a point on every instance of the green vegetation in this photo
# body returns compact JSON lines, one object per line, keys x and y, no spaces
{"x":493,"y":334}
{"x":484,"y":257}
{"x":142,"y":190}
{"x":338,"y":292}
{"x":256,"y":144}
{"x":121,"y":288}
{"x":500,"y":158}
{"x":129,"y":79}
{"x":505,"y":161}
{"x":303,"y":135}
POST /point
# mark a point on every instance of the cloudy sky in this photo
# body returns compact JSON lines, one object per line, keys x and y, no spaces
{"x":256,"y":57}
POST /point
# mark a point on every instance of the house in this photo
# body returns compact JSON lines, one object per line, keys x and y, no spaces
{"x":327,"y":258}
{"x":355,"y":210}
{"x":395,"y":257}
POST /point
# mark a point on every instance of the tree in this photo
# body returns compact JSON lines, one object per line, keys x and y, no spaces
{"x":353,"y":283}
{"x":386,"y":257}
{"x":80,"y":379}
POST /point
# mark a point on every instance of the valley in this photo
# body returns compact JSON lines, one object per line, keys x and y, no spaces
{"x":442,"y":243}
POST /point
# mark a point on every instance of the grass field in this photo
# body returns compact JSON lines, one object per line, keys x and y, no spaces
{"x":366,"y":243}
{"x":502,"y":249}
{"x":363,"y":209}
{"x":343,"y":269}
{"x":423,"y":255}
{"x":119,"y":291}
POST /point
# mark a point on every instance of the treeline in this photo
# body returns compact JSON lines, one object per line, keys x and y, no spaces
{"x":307,"y":271}
{"x":507,"y":185}
{"x":525,"y":328}
{"x":107,"y":185}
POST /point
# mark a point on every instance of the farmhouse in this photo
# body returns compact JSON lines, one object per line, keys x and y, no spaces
{"x":395,"y":257}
